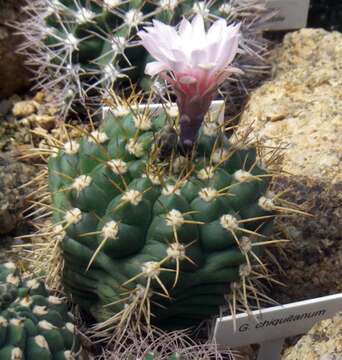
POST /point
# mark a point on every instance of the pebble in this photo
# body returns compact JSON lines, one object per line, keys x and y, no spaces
{"x":25,"y":108}
{"x":300,"y":109}
{"x":323,"y":342}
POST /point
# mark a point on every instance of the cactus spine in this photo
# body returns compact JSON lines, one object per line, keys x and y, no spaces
{"x":155,"y":344}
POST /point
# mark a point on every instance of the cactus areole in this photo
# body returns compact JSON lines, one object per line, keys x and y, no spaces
{"x":194,"y":62}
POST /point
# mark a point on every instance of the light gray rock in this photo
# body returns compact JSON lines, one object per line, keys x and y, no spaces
{"x":300,"y":109}
{"x":25,"y":108}
{"x":323,"y":342}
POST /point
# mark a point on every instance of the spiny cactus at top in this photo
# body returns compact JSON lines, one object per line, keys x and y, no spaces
{"x":33,"y":323}
{"x":151,"y":238}
{"x":82,"y":46}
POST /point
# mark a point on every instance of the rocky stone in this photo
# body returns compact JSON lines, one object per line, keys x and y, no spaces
{"x":25,"y":108}
{"x":299,"y":113}
{"x":300,"y":109}
{"x":23,"y":123}
{"x":46,"y":122}
{"x":323,"y":342}
{"x":40,"y":97}
{"x":14,"y":76}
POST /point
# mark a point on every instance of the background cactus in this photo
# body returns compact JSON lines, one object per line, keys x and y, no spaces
{"x":33,"y":323}
{"x":143,"y":236}
{"x":80,"y":47}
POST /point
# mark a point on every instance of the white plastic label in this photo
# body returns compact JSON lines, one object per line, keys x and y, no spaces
{"x":276,"y":322}
{"x":216,"y":110}
{"x":290,"y":14}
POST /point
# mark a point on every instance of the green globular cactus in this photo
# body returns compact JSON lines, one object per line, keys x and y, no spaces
{"x":33,"y":323}
{"x":80,"y":47}
{"x":141,"y":235}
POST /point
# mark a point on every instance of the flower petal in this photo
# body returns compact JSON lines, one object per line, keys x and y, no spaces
{"x":150,"y":43}
{"x":185,"y":29}
{"x":228,"y":52}
{"x":198,"y":57}
{"x":198,"y":30}
{"x":216,"y":30}
{"x":187,"y":80}
{"x":180,"y":55}
{"x":154,"y":68}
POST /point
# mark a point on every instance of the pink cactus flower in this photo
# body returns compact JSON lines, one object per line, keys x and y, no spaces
{"x":194,"y":62}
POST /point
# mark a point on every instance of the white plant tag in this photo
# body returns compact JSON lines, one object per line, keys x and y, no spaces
{"x":275,"y":323}
{"x":290,"y":14}
{"x":216,"y":110}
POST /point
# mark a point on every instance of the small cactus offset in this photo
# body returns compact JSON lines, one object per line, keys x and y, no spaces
{"x":81,"y":47}
{"x":150,"y":235}
{"x":33,"y":323}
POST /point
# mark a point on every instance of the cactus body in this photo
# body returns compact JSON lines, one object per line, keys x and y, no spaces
{"x":142,"y":235}
{"x":33,"y":323}
{"x":81,"y":47}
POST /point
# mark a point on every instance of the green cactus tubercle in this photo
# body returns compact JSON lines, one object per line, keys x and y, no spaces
{"x":145,"y":236}
{"x":33,"y":323}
